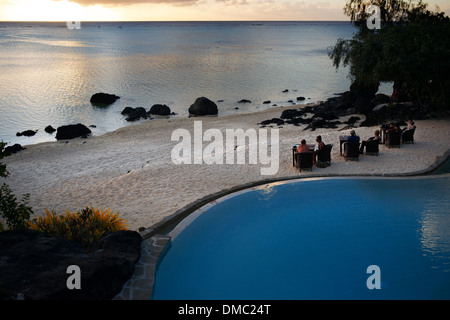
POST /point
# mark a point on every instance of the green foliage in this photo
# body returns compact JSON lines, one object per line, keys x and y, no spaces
{"x":3,"y":172}
{"x":85,"y":226}
{"x":411,"y":49}
{"x":16,"y":213}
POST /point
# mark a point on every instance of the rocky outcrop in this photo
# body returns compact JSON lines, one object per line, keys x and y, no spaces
{"x":49,"y":129}
{"x":26,"y":133}
{"x":103,"y":99}
{"x":14,"y":149}
{"x":160,"y":109}
{"x":203,"y":107}
{"x":72,"y":131}
{"x":34,"y":265}
{"x":276,"y":121}
{"x":134,"y":114}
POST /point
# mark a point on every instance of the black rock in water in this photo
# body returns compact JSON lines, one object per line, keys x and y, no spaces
{"x":26,"y":133}
{"x":203,"y":107}
{"x":134,"y":114}
{"x":103,"y":99}
{"x":160,"y":109}
{"x":72,"y":131}
{"x":49,"y":129}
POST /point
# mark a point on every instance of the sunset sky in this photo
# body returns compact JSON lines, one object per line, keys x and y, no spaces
{"x":177,"y":10}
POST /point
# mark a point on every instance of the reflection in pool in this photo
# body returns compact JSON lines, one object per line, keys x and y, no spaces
{"x":315,"y":239}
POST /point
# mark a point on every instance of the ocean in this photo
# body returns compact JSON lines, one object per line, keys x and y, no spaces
{"x":48,"y":72}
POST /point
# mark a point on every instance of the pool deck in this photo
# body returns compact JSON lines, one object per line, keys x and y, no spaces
{"x":156,"y":240}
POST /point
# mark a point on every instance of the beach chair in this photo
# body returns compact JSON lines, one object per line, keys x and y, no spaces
{"x":304,"y":160}
{"x":351,"y":150}
{"x":408,"y":136}
{"x":372,"y":147}
{"x":393,"y":139}
{"x":324,"y":154}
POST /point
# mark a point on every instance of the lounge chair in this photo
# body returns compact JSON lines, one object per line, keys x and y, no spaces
{"x":408,"y":136}
{"x":372,"y":147}
{"x":324,"y":154}
{"x":393,"y":139}
{"x":351,"y":150}
{"x":304,"y":160}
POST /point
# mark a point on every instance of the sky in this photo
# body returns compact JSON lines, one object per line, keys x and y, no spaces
{"x":179,"y":10}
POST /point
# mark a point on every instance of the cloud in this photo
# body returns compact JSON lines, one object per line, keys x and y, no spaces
{"x":234,"y":2}
{"x":116,"y":3}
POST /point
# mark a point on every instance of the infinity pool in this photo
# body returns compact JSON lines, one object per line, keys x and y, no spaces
{"x":315,"y":239}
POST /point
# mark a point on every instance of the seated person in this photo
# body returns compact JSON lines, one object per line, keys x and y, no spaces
{"x":410,"y":126}
{"x":353,"y":137}
{"x":393,"y":128}
{"x":302,"y":147}
{"x":375,"y":137}
{"x":320,"y":145}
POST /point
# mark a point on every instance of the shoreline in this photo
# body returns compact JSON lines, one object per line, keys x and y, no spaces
{"x":158,"y":118}
{"x":130,"y":169}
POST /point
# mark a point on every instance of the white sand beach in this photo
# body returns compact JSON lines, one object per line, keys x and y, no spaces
{"x":131,"y":170}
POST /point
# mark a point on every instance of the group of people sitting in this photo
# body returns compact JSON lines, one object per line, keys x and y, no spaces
{"x":392,"y":128}
{"x":303,"y":147}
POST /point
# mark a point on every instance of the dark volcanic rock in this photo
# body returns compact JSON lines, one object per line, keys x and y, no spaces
{"x":274,"y":120}
{"x":326,"y":115}
{"x":26,"y":133}
{"x":362,"y":91}
{"x":363,"y":105}
{"x":49,"y":129}
{"x":244,"y":101}
{"x":72,"y":131}
{"x":103,"y":99}
{"x":203,"y":107}
{"x":134,"y":114}
{"x":35,"y":264}
{"x":372,"y":119}
{"x":292,"y":113}
{"x":322,"y":123}
{"x":160,"y":109}
{"x":14,"y":148}
{"x":300,"y":98}
{"x":352,"y":120}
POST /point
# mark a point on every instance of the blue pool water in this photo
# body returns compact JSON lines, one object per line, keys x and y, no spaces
{"x":315,"y":239}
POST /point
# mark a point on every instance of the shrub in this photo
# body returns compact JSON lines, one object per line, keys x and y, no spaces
{"x":85,"y":226}
{"x":3,"y":172}
{"x":16,"y":213}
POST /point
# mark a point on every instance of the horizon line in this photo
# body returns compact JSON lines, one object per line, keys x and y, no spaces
{"x":99,"y":21}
